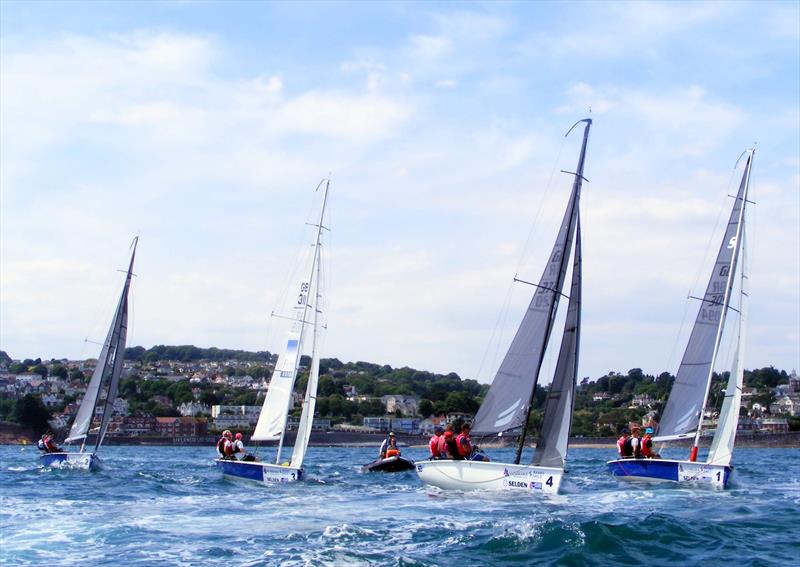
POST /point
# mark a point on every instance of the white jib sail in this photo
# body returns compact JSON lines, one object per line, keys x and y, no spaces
{"x":272,"y":419}
{"x":721,"y":451}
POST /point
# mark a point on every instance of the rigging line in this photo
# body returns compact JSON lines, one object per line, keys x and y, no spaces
{"x":537,"y":216}
{"x":504,"y":312}
{"x":671,"y":361}
{"x":516,"y":279}
{"x":713,"y":302}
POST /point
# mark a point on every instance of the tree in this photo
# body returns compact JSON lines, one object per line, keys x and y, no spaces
{"x":425,"y":408}
{"x":76,"y":374}
{"x":4,"y":358}
{"x":40,"y":369}
{"x":59,"y":370}
{"x":30,"y":412}
{"x":18,"y":368}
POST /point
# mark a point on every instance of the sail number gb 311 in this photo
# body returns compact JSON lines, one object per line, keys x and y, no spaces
{"x":302,"y":298}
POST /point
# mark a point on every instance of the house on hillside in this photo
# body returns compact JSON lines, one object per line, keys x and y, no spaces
{"x":407,"y":405}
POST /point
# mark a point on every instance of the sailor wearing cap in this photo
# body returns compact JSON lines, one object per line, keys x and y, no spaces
{"x":389,"y":445}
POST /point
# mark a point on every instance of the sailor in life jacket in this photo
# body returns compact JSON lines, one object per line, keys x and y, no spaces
{"x":465,"y":448}
{"x":433,"y":444}
{"x":47,"y":444}
{"x":225,"y":446}
{"x":647,"y":445}
{"x":636,"y":442}
{"x":389,"y":447}
{"x":238,"y":447}
{"x":624,"y":444}
{"x":448,"y":448}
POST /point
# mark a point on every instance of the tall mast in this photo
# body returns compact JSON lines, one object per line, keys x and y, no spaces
{"x":303,"y":321}
{"x":120,"y":335}
{"x":725,"y":304}
{"x":576,"y":187}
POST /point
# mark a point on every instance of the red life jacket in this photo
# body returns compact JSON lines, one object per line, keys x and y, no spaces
{"x":621,"y":446}
{"x":443,"y":447}
{"x":463,"y":444}
{"x":433,"y":445}
{"x":646,"y":446}
{"x":224,"y":447}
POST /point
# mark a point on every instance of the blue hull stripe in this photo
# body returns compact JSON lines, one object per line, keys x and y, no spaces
{"x":659,"y":469}
{"x":249,"y":472}
{"x":647,"y":468}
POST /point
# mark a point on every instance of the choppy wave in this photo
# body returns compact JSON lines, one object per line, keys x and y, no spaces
{"x":169,"y":506}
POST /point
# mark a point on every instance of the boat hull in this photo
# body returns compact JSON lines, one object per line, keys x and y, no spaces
{"x":262,"y":473}
{"x":669,"y":470}
{"x":83,"y":461}
{"x":481,"y":475}
{"x":389,"y":464}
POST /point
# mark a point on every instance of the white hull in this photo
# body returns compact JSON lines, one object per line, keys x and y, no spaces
{"x":480,"y":475}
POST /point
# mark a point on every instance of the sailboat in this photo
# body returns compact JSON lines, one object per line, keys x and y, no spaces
{"x":508,"y":403}
{"x":272,"y":421}
{"x":688,"y":398}
{"x":106,"y":374}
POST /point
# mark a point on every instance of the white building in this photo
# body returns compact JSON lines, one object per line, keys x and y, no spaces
{"x":190,"y":409}
{"x":406,"y":404}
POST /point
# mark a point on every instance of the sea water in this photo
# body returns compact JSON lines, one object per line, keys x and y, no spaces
{"x":170,"y":506}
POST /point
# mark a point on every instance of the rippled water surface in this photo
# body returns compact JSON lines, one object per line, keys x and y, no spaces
{"x":170,"y":506}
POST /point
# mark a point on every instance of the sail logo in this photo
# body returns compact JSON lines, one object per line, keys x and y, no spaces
{"x":506,"y":416}
{"x":732,"y":243}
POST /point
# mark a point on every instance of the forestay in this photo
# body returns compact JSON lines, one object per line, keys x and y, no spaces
{"x":683,"y":412}
{"x":507,"y":403}
{"x":112,"y":354}
{"x":721,"y":451}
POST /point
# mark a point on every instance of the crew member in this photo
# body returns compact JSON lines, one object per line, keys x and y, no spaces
{"x":238,"y":447}
{"x":389,"y":447}
{"x":225,"y":446}
{"x":636,"y":442}
{"x":48,"y":444}
{"x":624,"y":444}
{"x":465,"y":447}
{"x":448,"y":447}
{"x":647,"y":445}
{"x":433,"y":444}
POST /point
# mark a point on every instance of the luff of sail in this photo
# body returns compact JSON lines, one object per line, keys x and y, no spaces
{"x":507,"y":403}
{"x":683,"y":412}
{"x":271,"y":425}
{"x":721,"y":451}
{"x":551,"y":447}
{"x":116,"y":336}
{"x":272,"y":419}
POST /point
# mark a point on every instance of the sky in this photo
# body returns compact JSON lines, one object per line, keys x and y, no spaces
{"x":205,"y":128}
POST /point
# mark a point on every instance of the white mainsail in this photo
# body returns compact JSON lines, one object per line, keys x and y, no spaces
{"x":272,"y":420}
